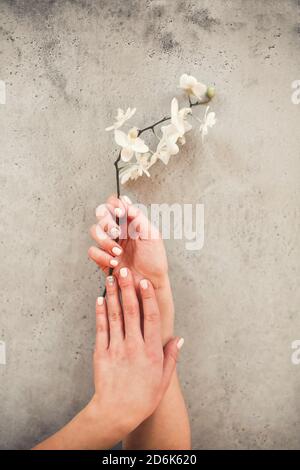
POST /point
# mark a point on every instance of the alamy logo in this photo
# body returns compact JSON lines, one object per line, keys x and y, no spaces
{"x":2,"y":92}
{"x":296,"y":93}
{"x":177,"y":221}
{"x":295,"y":357}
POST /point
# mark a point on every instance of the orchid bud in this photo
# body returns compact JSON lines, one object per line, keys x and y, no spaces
{"x":210,"y":92}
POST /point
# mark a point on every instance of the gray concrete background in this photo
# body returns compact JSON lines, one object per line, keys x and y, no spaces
{"x":68,"y":66}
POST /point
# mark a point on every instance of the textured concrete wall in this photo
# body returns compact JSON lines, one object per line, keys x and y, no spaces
{"x":67,"y":66}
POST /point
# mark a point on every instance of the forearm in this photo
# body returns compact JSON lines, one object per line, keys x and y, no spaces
{"x":168,"y":427}
{"x":88,"y":430}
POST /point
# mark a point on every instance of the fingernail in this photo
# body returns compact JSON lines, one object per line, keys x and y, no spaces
{"x":144,"y":284}
{"x":114,"y":232}
{"x":113,"y":262}
{"x":116,"y":250}
{"x":126,"y":199}
{"x":180,"y":343}
{"x":118,"y":212}
{"x":123,"y":272}
{"x":100,"y":301}
{"x":110,"y":280}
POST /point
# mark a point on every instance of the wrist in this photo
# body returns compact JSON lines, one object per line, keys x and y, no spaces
{"x":106,"y":423}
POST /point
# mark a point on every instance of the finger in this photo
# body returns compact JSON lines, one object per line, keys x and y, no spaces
{"x":130,"y":304}
{"x":107,"y":222}
{"x":104,"y":241}
{"x":115,"y":317}
{"x":102,"y":332}
{"x":126,"y":201}
{"x":103,"y":259}
{"x":116,"y":206}
{"x":139,"y":225}
{"x":151,"y":314}
{"x":171,"y":351}
{"x":117,"y":209}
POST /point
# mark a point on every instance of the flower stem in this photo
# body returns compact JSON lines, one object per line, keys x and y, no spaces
{"x":167,"y":118}
{"x":118,"y":174}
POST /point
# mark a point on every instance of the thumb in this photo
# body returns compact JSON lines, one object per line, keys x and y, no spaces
{"x":171,"y":352}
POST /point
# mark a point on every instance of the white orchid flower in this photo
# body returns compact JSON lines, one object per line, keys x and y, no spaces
{"x":121,"y":117}
{"x":173,"y":133}
{"x":133,"y":171}
{"x":167,"y":145}
{"x":130,"y":143}
{"x":208,"y":121}
{"x":179,"y":118}
{"x":191,"y":85}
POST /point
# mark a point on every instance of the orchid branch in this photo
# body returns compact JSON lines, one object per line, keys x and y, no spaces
{"x":173,"y":134}
{"x":150,"y":128}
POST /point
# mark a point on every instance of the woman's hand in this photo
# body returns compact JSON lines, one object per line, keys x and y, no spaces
{"x":132,"y":370}
{"x":144,"y":254}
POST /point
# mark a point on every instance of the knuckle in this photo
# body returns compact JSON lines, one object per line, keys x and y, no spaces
{"x":125,"y":282}
{"x":131,"y":348}
{"x":131,"y":310}
{"x":116,"y":354}
{"x":101,"y":328}
{"x":115,"y":315}
{"x":111,"y":291}
{"x":151,"y":316}
{"x":155,"y":356}
{"x":148,"y":294}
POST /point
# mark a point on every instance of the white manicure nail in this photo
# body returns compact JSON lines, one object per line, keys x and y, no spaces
{"x":116,"y":250}
{"x":100,"y":301}
{"x":144,"y":284}
{"x":113,"y":262}
{"x":123,"y":272}
{"x":114,"y":232}
{"x":127,"y":199}
{"x":118,"y":211}
{"x":180,"y":343}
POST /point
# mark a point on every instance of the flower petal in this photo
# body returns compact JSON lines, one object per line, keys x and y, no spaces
{"x":126,"y":154}
{"x":121,"y":138}
{"x":139,"y":146}
{"x":199,"y":90}
{"x":120,"y":114}
{"x":129,"y":113}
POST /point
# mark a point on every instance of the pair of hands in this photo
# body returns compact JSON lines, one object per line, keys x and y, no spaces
{"x":132,"y":370}
{"x":135,"y":352}
{"x":143,"y":254}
